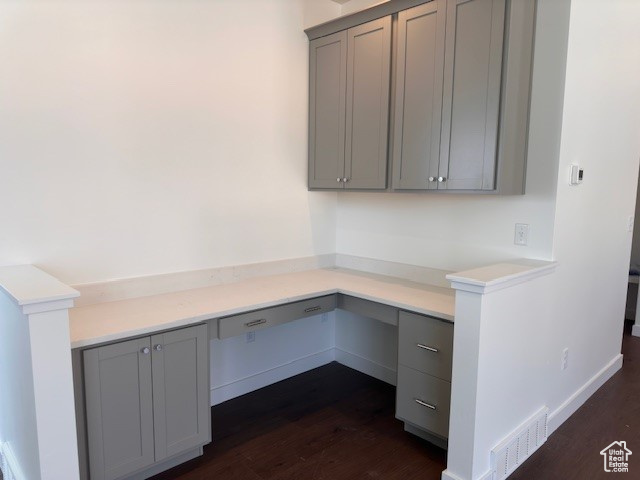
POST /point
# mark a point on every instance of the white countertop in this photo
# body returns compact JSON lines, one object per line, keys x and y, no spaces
{"x":104,"y":322}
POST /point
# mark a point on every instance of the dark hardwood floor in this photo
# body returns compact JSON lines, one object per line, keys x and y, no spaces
{"x":572,"y":452}
{"x":329,"y":423}
{"x":334,"y":423}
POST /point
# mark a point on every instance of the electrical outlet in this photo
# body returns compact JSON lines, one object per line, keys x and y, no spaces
{"x":251,"y":337}
{"x":522,"y":234}
{"x":565,"y":359}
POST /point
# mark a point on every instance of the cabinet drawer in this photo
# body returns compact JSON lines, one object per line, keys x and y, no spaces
{"x":269,"y":317}
{"x":426,"y":344}
{"x":367,"y":308}
{"x":423,"y":400}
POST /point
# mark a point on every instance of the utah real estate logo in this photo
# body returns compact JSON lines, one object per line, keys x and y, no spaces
{"x":616,"y":457}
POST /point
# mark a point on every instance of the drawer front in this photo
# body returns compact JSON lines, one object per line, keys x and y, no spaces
{"x":269,"y":317}
{"x":425,"y":344}
{"x":367,"y":308}
{"x":423,"y":400}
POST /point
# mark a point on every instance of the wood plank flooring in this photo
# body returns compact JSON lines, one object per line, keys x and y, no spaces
{"x":329,"y":423}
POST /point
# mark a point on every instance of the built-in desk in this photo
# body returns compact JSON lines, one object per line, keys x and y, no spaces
{"x":111,"y":321}
{"x":147,"y":357}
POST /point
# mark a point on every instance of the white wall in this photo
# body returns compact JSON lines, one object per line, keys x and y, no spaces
{"x":601,"y":132}
{"x":156,"y":136}
{"x":18,"y":429}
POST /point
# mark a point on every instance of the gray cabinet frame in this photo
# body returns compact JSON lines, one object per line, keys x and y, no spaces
{"x":146,"y":401}
{"x":349,"y":88}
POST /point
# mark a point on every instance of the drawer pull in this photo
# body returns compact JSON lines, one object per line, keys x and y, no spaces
{"x":427,"y":347}
{"x":312,"y":309}
{"x":254,"y":323}
{"x":425,"y":404}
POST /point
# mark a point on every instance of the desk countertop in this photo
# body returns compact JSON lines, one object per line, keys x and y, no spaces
{"x":105,"y":322}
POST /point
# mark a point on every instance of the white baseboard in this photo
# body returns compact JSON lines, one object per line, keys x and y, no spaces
{"x":575,"y":401}
{"x":9,"y":464}
{"x":447,"y":475}
{"x":245,"y":385}
{"x":366,"y":366}
{"x":635,"y":331}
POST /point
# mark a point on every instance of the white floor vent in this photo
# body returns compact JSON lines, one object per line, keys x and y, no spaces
{"x":519,"y":446}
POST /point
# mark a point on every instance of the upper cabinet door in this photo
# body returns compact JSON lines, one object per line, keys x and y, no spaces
{"x":471,"y":102}
{"x":327,"y":92}
{"x":418,"y":105}
{"x":119,"y":408}
{"x":367,"y":113}
{"x":180,"y":390}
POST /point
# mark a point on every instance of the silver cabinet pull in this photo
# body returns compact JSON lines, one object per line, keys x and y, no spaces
{"x":253,"y":323}
{"x":157,"y":348}
{"x":442,"y":179}
{"x":312,"y":309}
{"x":425,"y":404}
{"x":427,"y":347}
{"x":338,"y":180}
{"x":345,"y":179}
{"x":145,"y":351}
{"x":432,"y":179}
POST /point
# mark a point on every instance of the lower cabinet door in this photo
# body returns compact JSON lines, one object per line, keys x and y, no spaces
{"x":180,"y":390}
{"x":119,"y":407}
{"x":423,"y":400}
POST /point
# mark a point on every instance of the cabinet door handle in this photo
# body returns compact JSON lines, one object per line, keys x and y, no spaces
{"x":345,"y":179}
{"x":427,"y":347}
{"x":157,"y":348}
{"x":442,"y":179}
{"x":253,"y":323}
{"x":338,"y":180}
{"x":432,"y":179}
{"x":312,"y":309}
{"x":145,"y":351}
{"x":425,"y":404}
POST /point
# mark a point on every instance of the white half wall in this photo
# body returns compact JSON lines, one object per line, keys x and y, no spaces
{"x":18,"y":428}
{"x":156,"y":136}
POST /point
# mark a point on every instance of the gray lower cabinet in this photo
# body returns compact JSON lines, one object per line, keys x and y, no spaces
{"x":146,"y":400}
{"x":349,"y":78}
{"x":425,"y":351}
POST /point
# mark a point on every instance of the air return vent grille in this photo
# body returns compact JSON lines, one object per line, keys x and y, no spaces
{"x":519,"y":446}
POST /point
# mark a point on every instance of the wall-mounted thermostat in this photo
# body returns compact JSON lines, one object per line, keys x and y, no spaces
{"x":576,"y":175}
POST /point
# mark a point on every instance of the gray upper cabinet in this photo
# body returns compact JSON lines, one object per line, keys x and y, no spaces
{"x":460,"y":97}
{"x":327,"y":94}
{"x":349,"y":107}
{"x":418,"y":105}
{"x":473,"y":67}
{"x":368,"y":77}
{"x":146,"y":400}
